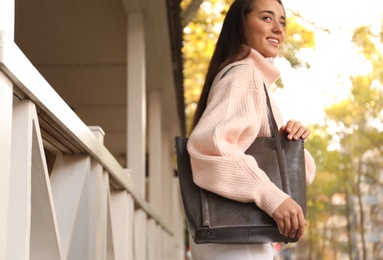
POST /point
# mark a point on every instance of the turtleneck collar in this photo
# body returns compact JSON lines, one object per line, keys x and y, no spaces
{"x":267,"y":69}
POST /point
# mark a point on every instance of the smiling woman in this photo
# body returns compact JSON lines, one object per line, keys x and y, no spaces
{"x":266,"y":27}
{"x":332,"y":58}
{"x":232,"y":113}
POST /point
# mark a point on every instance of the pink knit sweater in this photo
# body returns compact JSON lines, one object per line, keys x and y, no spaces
{"x":235,"y":115}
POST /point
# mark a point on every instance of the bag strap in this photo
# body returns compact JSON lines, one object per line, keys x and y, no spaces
{"x":280,"y":152}
{"x":224,"y":74}
{"x":272,"y":122}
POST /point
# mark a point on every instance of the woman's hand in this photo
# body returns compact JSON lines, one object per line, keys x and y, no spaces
{"x":290,"y":219}
{"x":294,"y":130}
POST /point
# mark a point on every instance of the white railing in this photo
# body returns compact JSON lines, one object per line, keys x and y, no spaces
{"x":79,"y":203}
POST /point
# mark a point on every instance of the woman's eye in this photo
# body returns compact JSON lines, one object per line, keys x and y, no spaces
{"x":267,"y":18}
{"x":283,"y":24}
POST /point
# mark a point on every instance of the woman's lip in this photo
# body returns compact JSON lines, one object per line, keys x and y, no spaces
{"x":274,"y":42}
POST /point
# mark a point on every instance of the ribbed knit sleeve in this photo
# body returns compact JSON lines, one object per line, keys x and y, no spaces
{"x":234,"y":117}
{"x":310,"y":168}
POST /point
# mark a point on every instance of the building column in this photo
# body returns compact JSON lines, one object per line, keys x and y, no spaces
{"x":155,"y":152}
{"x":136,"y":100}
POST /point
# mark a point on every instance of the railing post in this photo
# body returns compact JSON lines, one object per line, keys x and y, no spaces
{"x":167,"y":175}
{"x":32,"y":229}
{"x":98,"y":205}
{"x":122,"y":213}
{"x":178,"y":221}
{"x":7,"y":13}
{"x":6,"y":95}
{"x":140,"y":229}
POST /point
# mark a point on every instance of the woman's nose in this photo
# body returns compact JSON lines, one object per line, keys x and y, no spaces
{"x":278,"y":28}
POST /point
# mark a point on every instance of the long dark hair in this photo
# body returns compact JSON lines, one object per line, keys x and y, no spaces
{"x":229,"y":47}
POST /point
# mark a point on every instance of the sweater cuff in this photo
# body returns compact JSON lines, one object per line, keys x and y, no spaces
{"x":272,"y":198}
{"x":310,"y":168}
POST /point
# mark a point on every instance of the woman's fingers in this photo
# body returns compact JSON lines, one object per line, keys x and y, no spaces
{"x":301,"y":225}
{"x":294,"y":226}
{"x":289,"y":218}
{"x":295,"y":130}
{"x":287,"y":225}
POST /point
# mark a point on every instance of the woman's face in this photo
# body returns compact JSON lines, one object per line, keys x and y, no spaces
{"x":266,"y":25}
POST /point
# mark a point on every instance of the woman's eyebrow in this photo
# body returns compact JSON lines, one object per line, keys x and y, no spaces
{"x":272,"y":13}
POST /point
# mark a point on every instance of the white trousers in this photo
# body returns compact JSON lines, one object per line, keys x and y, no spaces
{"x":230,"y":252}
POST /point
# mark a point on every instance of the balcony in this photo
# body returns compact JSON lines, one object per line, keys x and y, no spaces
{"x":91,"y":98}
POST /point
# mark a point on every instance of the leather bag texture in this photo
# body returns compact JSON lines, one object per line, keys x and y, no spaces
{"x":215,"y":219}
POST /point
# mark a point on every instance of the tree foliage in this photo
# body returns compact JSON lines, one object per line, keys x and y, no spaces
{"x":355,"y":167}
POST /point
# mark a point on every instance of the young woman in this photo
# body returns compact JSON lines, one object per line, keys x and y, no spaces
{"x":232,"y":112}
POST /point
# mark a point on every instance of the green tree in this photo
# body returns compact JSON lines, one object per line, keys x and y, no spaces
{"x":359,"y":121}
{"x":320,"y":193}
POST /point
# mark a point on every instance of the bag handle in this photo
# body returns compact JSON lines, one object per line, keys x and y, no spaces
{"x":280,"y":152}
{"x":272,"y":122}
